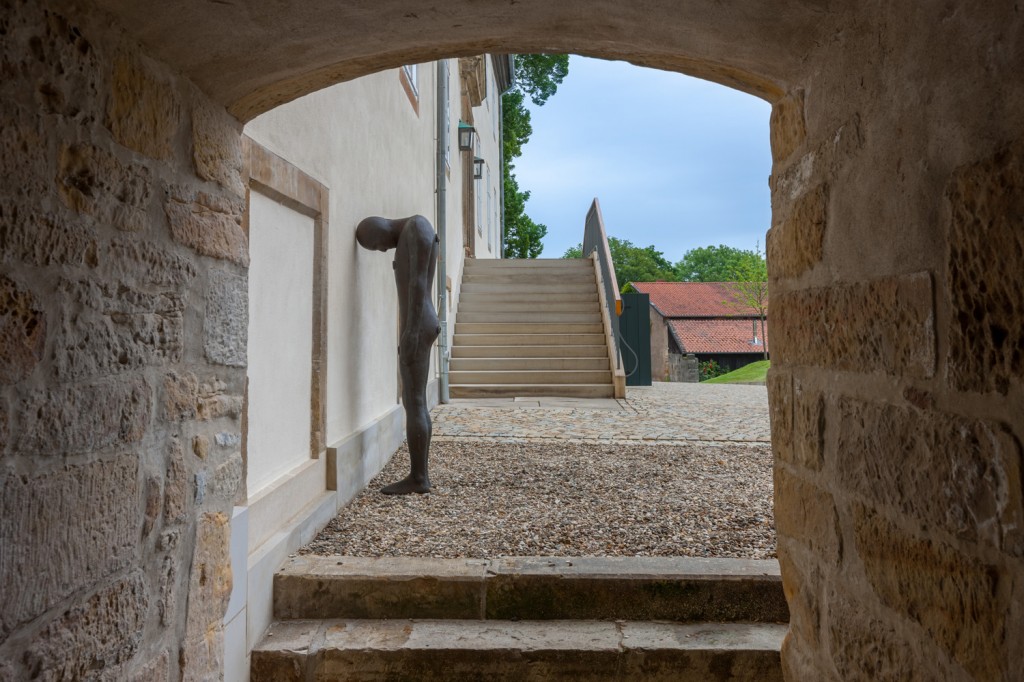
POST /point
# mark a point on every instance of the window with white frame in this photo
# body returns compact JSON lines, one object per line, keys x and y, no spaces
{"x":411,"y":73}
{"x":409,"y":76}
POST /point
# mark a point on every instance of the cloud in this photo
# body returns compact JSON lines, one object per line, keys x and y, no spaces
{"x":676,"y":161}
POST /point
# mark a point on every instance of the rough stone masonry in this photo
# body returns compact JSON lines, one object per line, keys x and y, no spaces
{"x":122,"y":343}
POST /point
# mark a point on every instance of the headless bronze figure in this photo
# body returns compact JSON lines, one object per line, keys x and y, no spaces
{"x":415,"y":244}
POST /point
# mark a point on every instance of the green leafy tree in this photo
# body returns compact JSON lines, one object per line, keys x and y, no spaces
{"x":716,"y":264}
{"x":537,"y":77}
{"x":751,"y":286}
{"x":522,"y":235}
{"x":633,"y":263}
{"x":574,"y":252}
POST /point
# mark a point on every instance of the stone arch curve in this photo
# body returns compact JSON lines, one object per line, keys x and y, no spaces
{"x":251,"y":57}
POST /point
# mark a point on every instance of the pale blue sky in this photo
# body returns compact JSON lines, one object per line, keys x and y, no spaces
{"x":675,"y":161}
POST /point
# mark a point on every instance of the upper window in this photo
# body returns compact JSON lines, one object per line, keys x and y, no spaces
{"x":409,"y":75}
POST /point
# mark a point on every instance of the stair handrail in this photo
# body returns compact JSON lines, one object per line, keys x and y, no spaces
{"x":595,"y":246}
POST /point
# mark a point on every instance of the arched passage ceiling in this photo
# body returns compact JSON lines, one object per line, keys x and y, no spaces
{"x":254,"y":55}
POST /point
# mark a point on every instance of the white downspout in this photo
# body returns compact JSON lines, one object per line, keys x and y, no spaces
{"x":442,"y":228}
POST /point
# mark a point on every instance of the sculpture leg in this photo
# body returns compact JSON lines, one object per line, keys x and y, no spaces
{"x":417,"y":428}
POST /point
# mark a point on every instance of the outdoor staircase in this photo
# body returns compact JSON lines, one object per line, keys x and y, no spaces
{"x":524,"y":618}
{"x":529,"y":327}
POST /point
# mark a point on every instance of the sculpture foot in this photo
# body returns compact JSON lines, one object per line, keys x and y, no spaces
{"x":407,"y":485}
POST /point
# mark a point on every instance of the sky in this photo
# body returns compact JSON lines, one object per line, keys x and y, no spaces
{"x":675,"y":161}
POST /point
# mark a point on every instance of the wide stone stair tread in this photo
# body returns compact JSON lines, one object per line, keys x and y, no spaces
{"x":531,"y":339}
{"x":594,"y":351}
{"x":544,"y":322}
{"x":532,"y":376}
{"x":684,"y":589}
{"x":527,"y":287}
{"x":524,"y":618}
{"x":531,"y":390}
{"x":444,"y":650}
{"x":522,"y":310}
{"x":495,"y":364}
{"x":475,"y":304}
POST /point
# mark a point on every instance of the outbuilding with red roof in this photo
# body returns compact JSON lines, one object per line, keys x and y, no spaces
{"x":704,"y":319}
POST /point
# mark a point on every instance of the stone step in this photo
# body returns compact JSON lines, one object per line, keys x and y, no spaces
{"x":526,"y":288}
{"x":500,"y":651}
{"x":477,"y":303}
{"x":532,"y":377}
{"x":528,"y":263}
{"x":683,"y":589}
{"x":554,"y":280}
{"x":465,"y":338}
{"x":534,"y":316}
{"x":571,"y":330}
{"x":460,"y":350}
{"x":498,"y":363}
{"x":531,"y":391}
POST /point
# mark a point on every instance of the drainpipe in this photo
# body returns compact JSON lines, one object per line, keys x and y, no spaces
{"x":442,"y":229}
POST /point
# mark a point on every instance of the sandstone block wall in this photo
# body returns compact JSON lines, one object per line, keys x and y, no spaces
{"x":122,"y":353}
{"x":683,"y":368}
{"x":896,"y":260}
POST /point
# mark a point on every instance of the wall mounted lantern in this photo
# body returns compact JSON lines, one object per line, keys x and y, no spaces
{"x":478,"y":168}
{"x":466,"y":135}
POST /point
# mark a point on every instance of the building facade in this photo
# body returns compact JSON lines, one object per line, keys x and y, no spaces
{"x":323,"y":407}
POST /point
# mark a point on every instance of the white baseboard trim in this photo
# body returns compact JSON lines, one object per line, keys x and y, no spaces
{"x":354,"y":461}
{"x":270,"y":527}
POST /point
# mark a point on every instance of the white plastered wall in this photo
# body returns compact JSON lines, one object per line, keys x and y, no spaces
{"x":375,"y":154}
{"x":366,"y":143}
{"x":280,"y":319}
{"x":487,"y":121}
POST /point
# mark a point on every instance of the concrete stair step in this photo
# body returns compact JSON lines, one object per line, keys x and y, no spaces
{"x":498,"y":363}
{"x":682,"y":589}
{"x":571,"y":329}
{"x":524,"y":377}
{"x":553,"y":279}
{"x":531,"y":391}
{"x":529,"y":264}
{"x":529,"y":316}
{"x":580,"y":352}
{"x":499,"y":651}
{"x":476,"y":303}
{"x":527,"y":287}
{"x":467,"y":338}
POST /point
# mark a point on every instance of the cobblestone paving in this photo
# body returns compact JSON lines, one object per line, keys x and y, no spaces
{"x":663,"y":413}
{"x":674,"y":470}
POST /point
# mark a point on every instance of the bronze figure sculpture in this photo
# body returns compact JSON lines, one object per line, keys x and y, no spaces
{"x":416,"y":245}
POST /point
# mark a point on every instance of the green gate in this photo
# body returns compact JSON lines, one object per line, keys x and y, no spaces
{"x":635,"y":338}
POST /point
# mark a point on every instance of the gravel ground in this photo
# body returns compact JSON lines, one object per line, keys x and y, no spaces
{"x":567,"y":499}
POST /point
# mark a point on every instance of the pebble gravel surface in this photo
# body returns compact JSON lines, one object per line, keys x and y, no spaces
{"x":544,"y":497}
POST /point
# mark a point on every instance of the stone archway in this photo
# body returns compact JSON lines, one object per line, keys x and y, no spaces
{"x":895,"y":259}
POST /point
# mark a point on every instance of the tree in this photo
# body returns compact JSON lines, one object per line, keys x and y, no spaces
{"x":522,"y":235}
{"x":751,"y":286}
{"x":537,"y":76}
{"x":633,"y":263}
{"x":715,"y":264}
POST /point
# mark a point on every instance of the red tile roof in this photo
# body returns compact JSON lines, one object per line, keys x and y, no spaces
{"x":717,"y":336}
{"x":694,"y":299}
